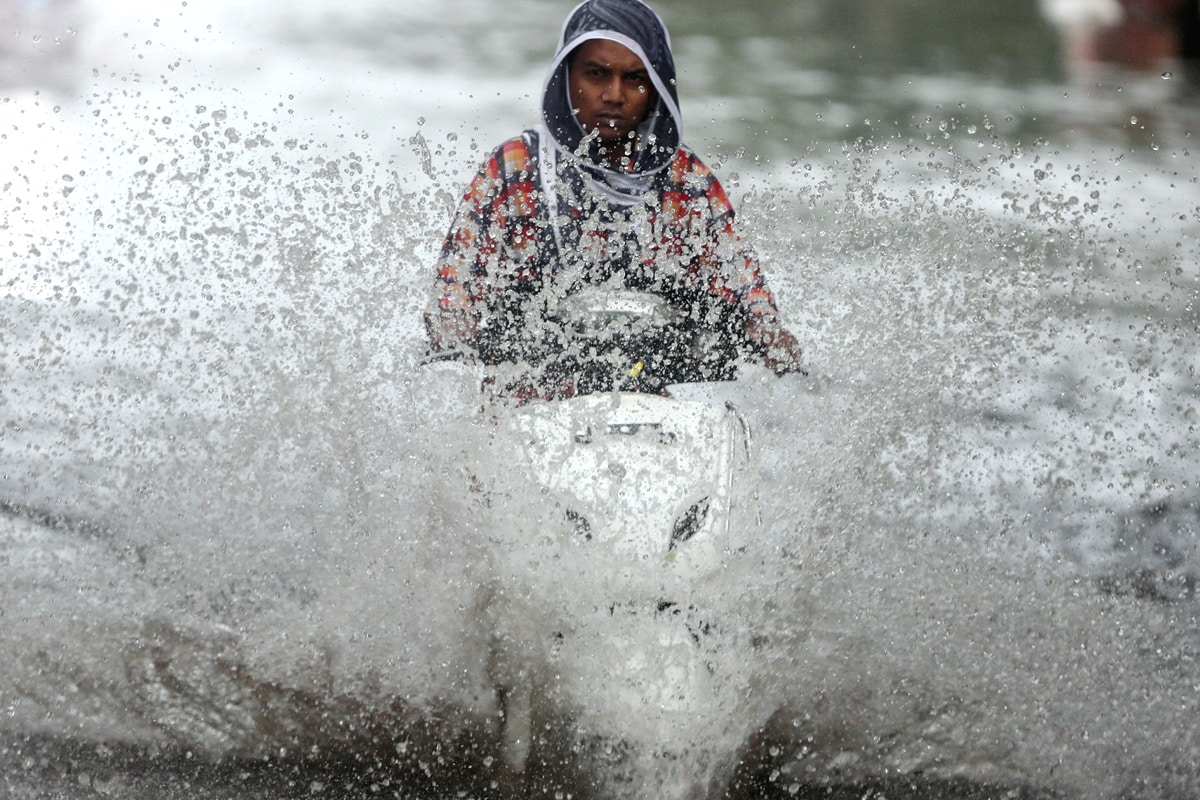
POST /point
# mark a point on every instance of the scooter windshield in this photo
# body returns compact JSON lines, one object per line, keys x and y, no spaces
{"x":623,"y":340}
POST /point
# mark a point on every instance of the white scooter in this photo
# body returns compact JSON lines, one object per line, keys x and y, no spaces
{"x":619,"y":523}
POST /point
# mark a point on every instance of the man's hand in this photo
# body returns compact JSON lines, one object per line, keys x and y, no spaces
{"x":450,"y":329}
{"x":780,"y":350}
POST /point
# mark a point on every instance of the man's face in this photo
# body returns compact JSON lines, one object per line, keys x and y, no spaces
{"x":610,"y":89}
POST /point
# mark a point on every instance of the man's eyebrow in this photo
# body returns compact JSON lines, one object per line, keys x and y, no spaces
{"x":592,"y":63}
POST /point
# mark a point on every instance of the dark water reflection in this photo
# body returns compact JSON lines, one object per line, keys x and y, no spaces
{"x":44,"y":768}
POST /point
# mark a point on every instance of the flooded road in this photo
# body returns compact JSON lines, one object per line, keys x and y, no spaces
{"x":228,"y":567}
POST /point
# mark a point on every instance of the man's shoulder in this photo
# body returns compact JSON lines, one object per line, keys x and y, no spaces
{"x":686,"y":158}
{"x":519,"y":144}
{"x":686,"y":168}
{"x":686,"y":153}
{"x":516,"y":154}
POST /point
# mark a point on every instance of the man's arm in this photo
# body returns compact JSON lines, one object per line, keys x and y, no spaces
{"x":779,"y":348}
{"x":450,"y":330}
{"x":739,"y":280}
{"x":452,"y":316}
{"x":476,"y":242}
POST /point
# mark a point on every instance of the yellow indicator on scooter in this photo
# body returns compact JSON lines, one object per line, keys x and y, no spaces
{"x":637,"y":369}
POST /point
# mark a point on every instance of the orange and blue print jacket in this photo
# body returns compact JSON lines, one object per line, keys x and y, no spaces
{"x":501,"y":243}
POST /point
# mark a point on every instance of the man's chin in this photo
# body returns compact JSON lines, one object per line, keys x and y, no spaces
{"x":611,"y":136}
{"x":608,"y":133}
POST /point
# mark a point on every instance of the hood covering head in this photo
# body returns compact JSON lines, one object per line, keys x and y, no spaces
{"x":635,"y":25}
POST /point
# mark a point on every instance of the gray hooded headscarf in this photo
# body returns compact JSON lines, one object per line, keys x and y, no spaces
{"x":636,"y":26}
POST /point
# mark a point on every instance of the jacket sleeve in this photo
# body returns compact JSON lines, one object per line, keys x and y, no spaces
{"x":490,"y":236}
{"x":728,"y":265}
{"x":453,"y":313}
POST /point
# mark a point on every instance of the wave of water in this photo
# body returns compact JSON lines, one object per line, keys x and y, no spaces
{"x":231,"y":563}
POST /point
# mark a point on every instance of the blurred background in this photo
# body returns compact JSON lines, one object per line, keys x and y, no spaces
{"x":807,"y":69}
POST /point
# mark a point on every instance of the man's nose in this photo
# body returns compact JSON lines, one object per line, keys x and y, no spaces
{"x":614,"y":91}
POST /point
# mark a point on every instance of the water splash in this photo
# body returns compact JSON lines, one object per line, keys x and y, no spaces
{"x":224,"y":533}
